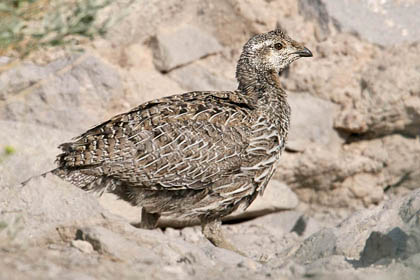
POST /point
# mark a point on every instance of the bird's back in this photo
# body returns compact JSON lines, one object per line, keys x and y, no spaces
{"x":198,"y":142}
{"x":177,"y":142}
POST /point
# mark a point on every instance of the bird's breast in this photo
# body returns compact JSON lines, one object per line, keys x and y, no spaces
{"x":265,"y":145}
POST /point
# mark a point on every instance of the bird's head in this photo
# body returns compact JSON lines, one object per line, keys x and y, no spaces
{"x":272,"y":51}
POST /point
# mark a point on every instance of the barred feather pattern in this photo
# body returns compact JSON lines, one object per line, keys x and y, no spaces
{"x":194,"y":155}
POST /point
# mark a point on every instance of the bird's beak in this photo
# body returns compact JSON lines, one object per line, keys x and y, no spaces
{"x":304,"y":52}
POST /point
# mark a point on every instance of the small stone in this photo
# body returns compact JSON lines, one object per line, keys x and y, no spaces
{"x":318,"y":245}
{"x":82,"y":245}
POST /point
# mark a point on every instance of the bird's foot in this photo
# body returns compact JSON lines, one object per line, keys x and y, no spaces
{"x":213,"y":232}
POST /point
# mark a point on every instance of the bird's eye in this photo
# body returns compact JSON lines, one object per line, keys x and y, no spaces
{"x":278,"y":46}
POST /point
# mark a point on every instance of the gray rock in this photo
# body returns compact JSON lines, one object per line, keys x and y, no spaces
{"x":286,"y":222}
{"x":120,"y":207}
{"x":312,"y":122}
{"x":182,"y":45}
{"x":379,"y":246}
{"x":107,"y":242}
{"x":33,"y":212}
{"x":34,"y":150}
{"x":359,"y":172}
{"x":198,"y":77}
{"x":392,"y":232}
{"x":319,"y":245}
{"x":305,"y":226}
{"x":316,"y":10}
{"x":71,"y":93}
{"x":381,"y":22}
{"x":360,"y":77}
{"x":390,"y":96}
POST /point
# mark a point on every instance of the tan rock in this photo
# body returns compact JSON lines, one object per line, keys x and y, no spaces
{"x":182,"y":45}
{"x":83,"y":246}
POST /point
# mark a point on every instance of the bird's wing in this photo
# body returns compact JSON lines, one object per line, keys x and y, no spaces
{"x":172,"y":143}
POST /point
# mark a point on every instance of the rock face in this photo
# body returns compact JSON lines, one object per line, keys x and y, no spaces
{"x":181,"y":46}
{"x":311,"y":123}
{"x":381,"y":22}
{"x":61,"y":231}
{"x":65,"y":93}
{"x":343,"y":203}
{"x":376,"y":113}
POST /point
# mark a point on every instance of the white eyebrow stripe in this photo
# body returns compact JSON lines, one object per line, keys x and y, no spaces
{"x":262,"y":44}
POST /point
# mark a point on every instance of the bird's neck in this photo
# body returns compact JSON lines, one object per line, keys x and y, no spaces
{"x":262,"y":86}
{"x":264,"y":90}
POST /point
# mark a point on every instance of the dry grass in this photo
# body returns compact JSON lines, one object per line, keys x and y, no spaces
{"x":27,"y":25}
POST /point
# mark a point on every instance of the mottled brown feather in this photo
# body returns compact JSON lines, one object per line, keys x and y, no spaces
{"x":194,"y":155}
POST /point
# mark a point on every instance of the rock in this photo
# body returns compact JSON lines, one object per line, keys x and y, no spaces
{"x":354,"y":176}
{"x":366,"y":187}
{"x":335,"y":71}
{"x":387,"y":222}
{"x":181,"y":46}
{"x":381,"y":22}
{"x":379,"y":246}
{"x":107,"y":242}
{"x":70,"y":93}
{"x":289,"y":221}
{"x":353,"y":145}
{"x":33,"y":212}
{"x":196,"y":76}
{"x":319,"y":245}
{"x":120,"y":207}
{"x":317,"y":11}
{"x":305,"y":226}
{"x":83,"y":246}
{"x":141,"y":86}
{"x":34,"y":150}
{"x":390,"y":96}
{"x":311,"y":122}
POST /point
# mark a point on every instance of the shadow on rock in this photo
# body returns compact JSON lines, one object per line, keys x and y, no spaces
{"x":383,"y":248}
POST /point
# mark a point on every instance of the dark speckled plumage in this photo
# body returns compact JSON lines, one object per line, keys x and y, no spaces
{"x":198,"y":154}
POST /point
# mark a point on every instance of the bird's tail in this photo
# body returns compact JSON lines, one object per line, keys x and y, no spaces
{"x":37,"y":176}
{"x":90,"y":183}
{"x":74,"y":177}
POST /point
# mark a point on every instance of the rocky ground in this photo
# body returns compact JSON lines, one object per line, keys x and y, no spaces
{"x":344,"y":202}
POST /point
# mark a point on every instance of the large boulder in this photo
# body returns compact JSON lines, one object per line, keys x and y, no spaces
{"x":70,"y":93}
{"x":183,"y":45}
{"x":380,"y":22}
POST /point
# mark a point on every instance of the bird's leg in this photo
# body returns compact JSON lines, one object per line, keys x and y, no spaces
{"x":148,"y":220}
{"x":212,"y":230}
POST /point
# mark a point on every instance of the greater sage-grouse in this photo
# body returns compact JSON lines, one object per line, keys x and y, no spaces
{"x":196,"y":155}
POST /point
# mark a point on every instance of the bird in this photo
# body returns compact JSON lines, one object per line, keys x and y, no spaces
{"x":197,"y":155}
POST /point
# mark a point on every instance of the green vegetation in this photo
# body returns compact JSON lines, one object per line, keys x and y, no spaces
{"x":7,"y":151}
{"x":26,"y":25}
